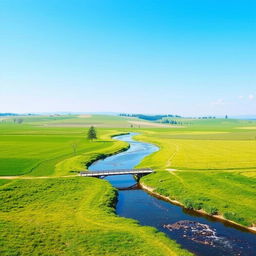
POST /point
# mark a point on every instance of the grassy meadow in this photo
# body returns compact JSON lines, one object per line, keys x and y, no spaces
{"x":226,"y":193}
{"x":205,"y":164}
{"x":72,"y":216}
{"x":204,"y":146}
{"x":69,"y":215}
{"x":57,"y":145}
{"x":44,"y":151}
{"x":210,"y":165}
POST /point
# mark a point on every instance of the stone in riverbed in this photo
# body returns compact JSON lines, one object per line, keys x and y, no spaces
{"x":195,"y":231}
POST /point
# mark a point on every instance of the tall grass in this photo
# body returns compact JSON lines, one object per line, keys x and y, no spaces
{"x":72,"y":216}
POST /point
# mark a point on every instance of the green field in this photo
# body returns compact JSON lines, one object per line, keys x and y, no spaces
{"x":56,"y":145}
{"x":103,"y":121}
{"x":202,"y":150}
{"x":43,"y":151}
{"x":207,"y":164}
{"x":225,"y":193}
{"x":71,"y":216}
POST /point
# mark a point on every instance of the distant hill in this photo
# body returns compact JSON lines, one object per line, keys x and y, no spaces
{"x":245,"y":117}
{"x":149,"y":117}
{"x":8,"y":114}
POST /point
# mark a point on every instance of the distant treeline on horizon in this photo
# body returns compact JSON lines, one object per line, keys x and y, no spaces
{"x":15,"y":114}
{"x":8,"y":114}
{"x":150,"y":117}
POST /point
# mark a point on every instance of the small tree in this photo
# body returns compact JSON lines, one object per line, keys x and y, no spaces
{"x":18,"y":120}
{"x":74,"y":146}
{"x":92,"y":133}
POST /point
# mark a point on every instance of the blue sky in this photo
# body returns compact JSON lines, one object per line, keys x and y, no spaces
{"x":188,"y":57}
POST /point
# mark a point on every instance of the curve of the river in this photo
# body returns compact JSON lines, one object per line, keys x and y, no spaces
{"x":200,"y":235}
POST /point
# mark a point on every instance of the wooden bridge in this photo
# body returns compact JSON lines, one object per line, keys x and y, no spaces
{"x":101,"y":174}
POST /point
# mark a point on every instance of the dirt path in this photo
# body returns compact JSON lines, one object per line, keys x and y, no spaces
{"x":34,"y":178}
{"x":173,"y":155}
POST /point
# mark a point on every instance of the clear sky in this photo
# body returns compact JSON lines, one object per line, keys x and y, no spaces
{"x":188,"y":57}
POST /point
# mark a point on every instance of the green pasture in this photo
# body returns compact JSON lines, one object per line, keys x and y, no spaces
{"x":72,"y":216}
{"x":228,"y":147}
{"x":215,"y":170}
{"x":88,"y":120}
{"x":202,"y":154}
{"x":207,"y":168}
{"x":44,"y":151}
{"x":227,"y":193}
{"x":99,"y":121}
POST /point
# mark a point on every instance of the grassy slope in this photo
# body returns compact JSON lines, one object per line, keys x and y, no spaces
{"x":95,"y":120}
{"x":64,"y":216}
{"x":71,"y":216}
{"x":99,"y":121}
{"x":217,"y":168}
{"x":227,"y":193}
{"x":43,"y":145}
{"x":44,"y":151}
{"x":74,"y":219}
{"x":202,"y":147}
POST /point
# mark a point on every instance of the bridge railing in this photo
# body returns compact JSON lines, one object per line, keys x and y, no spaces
{"x":116,"y":172}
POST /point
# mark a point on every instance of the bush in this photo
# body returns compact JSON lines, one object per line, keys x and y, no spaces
{"x":214,"y":211}
{"x":234,"y":217}
{"x":162,"y":191}
{"x":188,"y":204}
{"x":197,"y":205}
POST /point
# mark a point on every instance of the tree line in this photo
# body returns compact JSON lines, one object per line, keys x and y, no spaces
{"x":150,"y":117}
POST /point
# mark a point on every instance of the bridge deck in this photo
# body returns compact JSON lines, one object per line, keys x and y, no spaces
{"x":116,"y":172}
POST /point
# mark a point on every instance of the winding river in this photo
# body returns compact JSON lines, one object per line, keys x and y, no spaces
{"x":199,"y":234}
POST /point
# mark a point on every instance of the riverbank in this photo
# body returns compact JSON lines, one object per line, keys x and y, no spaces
{"x":102,"y":156}
{"x":71,"y":216}
{"x":209,"y":169}
{"x":66,"y":167}
{"x":51,"y":215}
{"x":103,"y":233}
{"x":221,"y":218}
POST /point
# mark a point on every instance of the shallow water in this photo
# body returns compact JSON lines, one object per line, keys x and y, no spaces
{"x":201,"y":235}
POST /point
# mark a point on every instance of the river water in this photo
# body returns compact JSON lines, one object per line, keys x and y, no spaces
{"x":201,"y":235}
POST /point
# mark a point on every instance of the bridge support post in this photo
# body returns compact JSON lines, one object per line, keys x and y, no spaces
{"x":139,"y":176}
